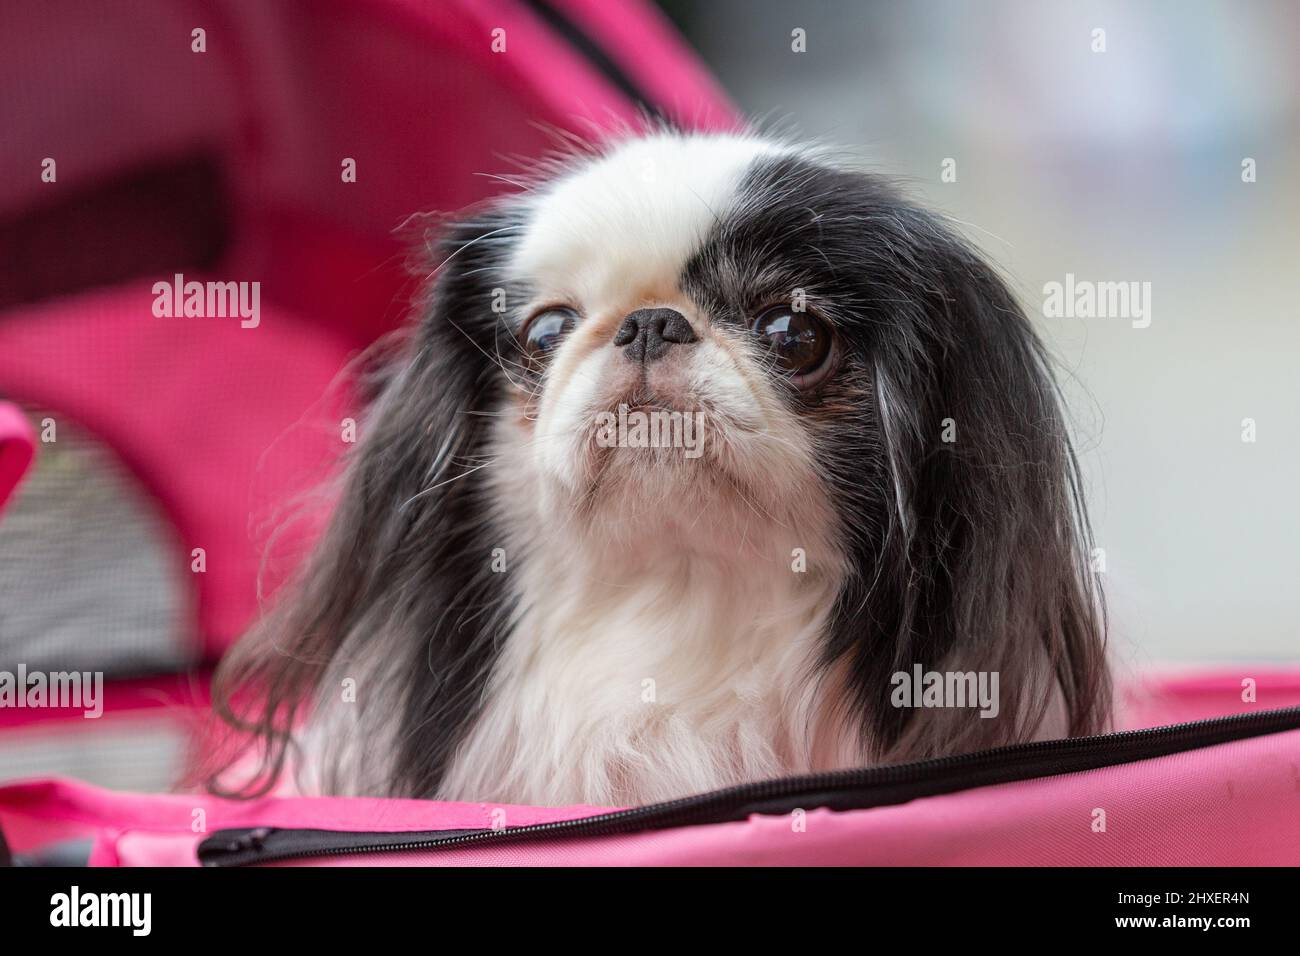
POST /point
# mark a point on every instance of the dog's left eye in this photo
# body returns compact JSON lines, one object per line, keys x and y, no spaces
{"x":544,"y":330}
{"x":800,"y":342}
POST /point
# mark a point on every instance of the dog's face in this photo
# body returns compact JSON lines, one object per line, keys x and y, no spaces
{"x":684,"y":353}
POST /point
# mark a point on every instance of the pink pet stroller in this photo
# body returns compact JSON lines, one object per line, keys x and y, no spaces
{"x":176,"y":143}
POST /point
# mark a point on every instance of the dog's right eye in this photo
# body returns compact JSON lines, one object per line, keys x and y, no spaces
{"x":544,"y":330}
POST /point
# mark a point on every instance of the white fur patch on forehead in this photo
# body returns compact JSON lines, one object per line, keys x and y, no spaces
{"x":634,"y":214}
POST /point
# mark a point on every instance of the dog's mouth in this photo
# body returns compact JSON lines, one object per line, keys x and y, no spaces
{"x":641,"y":396}
{"x":652,"y":425}
{"x":647,"y":406}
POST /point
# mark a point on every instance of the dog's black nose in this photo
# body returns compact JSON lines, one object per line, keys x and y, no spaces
{"x":646,"y":334}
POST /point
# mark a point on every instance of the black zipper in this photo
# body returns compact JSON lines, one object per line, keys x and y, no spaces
{"x":837,"y":790}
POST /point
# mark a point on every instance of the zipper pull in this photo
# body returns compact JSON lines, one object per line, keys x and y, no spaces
{"x":251,"y":840}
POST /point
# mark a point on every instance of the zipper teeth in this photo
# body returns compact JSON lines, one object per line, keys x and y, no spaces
{"x":684,"y":809}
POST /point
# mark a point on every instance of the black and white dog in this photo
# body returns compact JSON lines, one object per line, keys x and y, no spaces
{"x":534,"y":605}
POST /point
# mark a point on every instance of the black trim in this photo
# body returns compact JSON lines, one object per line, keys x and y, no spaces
{"x":594,"y":54}
{"x":840,"y":790}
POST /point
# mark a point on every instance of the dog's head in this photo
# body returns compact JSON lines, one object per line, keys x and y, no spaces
{"x":679,"y":340}
{"x":679,"y":361}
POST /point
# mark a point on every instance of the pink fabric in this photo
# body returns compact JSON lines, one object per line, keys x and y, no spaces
{"x":181,"y":698}
{"x":646,"y":47}
{"x":1174,"y":696}
{"x":412,"y":90}
{"x":1229,"y":804}
{"x":17,"y":447}
{"x":216,"y":431}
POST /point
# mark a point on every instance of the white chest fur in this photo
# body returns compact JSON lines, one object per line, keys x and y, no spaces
{"x":633,"y":684}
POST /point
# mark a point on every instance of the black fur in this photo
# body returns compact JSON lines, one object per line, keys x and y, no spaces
{"x":402,"y":566}
{"x":970,"y":555}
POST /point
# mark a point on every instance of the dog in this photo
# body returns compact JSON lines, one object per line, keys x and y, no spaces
{"x":540,"y":587}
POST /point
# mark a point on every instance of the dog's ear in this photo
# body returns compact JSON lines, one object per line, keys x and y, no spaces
{"x":980,"y":560}
{"x":398,"y":593}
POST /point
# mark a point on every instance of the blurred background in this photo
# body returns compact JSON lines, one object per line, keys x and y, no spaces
{"x":283,"y":143}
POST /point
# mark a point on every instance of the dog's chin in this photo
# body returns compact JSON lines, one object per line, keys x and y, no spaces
{"x":677,"y":463}
{"x":694,"y":495}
